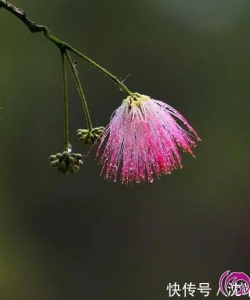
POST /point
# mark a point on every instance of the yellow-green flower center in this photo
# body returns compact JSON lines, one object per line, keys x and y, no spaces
{"x":135,"y":100}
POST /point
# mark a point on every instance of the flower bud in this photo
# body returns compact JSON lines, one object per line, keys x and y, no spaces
{"x":89,"y":137}
{"x":66,"y":162}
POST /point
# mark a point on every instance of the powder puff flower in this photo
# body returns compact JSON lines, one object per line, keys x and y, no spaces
{"x":141,"y":141}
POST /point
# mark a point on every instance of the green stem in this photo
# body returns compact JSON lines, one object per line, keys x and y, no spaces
{"x":65,"y":103}
{"x":79,"y":87}
{"x":97,"y":66}
{"x":33,"y":27}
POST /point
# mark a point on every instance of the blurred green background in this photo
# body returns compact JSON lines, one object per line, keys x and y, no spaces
{"x":81,"y":237}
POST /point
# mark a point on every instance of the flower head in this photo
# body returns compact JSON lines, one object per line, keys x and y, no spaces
{"x":66,"y":162}
{"x":141,"y":141}
{"x":88,"y":136}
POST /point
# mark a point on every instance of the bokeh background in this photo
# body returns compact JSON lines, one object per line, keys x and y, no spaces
{"x":81,"y":237}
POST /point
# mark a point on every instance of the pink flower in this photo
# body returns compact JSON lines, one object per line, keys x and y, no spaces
{"x":142,"y":139}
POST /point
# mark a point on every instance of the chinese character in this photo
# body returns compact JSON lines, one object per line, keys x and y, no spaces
{"x":236,"y":288}
{"x":204,"y":289}
{"x":173,"y":289}
{"x":190,"y":288}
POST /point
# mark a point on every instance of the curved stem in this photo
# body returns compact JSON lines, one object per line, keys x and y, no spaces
{"x":79,"y":87}
{"x":65,"y":103}
{"x":33,"y":27}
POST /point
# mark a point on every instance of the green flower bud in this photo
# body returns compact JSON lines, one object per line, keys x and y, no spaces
{"x":89,"y":137}
{"x":66,"y":162}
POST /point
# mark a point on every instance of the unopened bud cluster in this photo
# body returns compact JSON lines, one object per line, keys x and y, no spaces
{"x":66,"y":162}
{"x":89,"y":137}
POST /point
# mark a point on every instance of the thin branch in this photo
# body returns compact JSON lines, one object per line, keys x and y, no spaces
{"x":65,"y":103}
{"x":80,"y":90}
{"x":18,"y":12}
{"x":34,"y":28}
